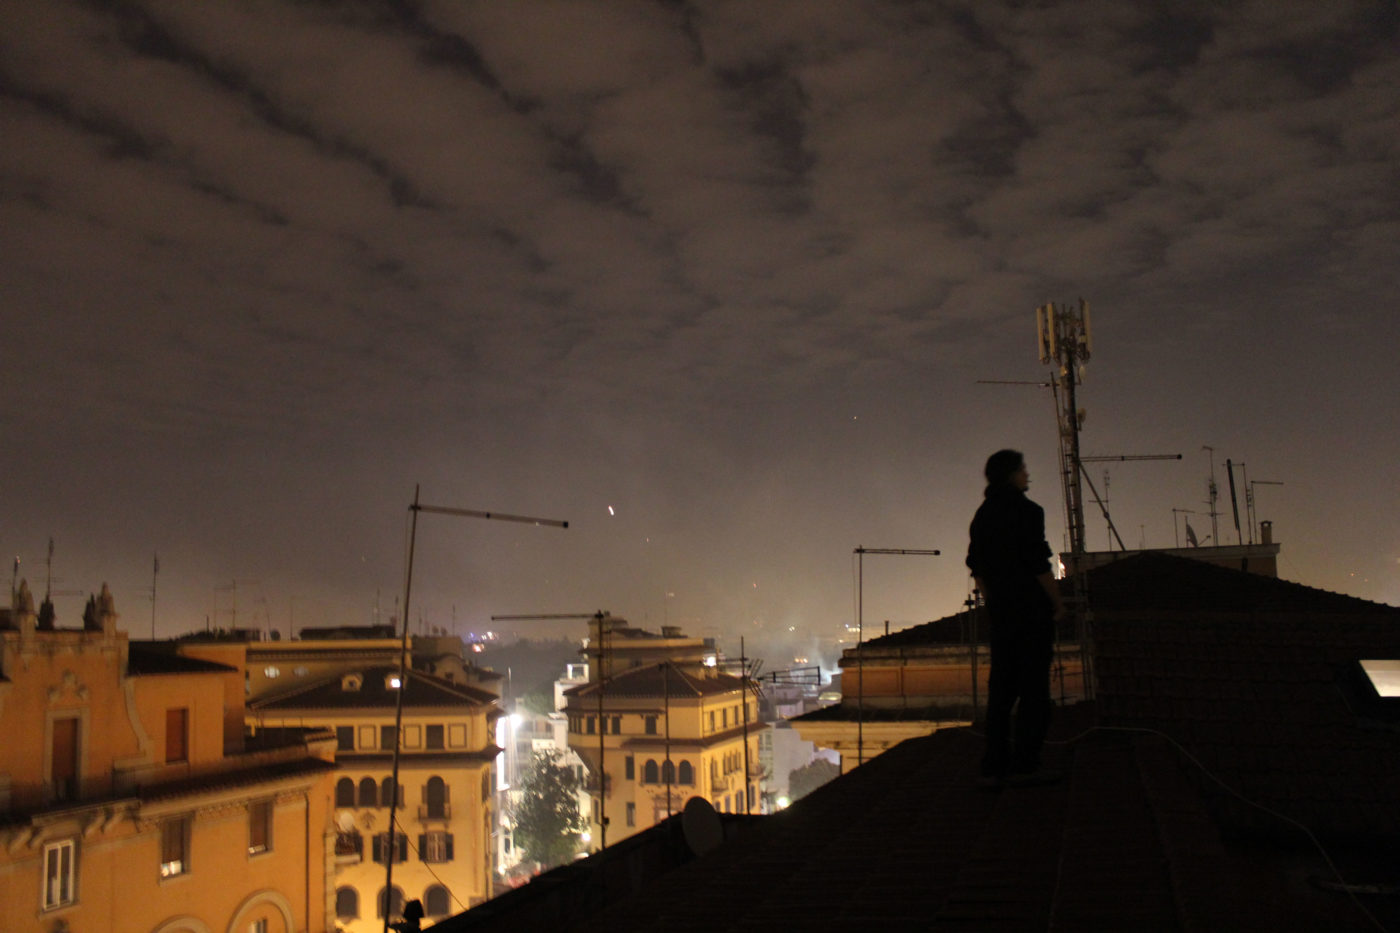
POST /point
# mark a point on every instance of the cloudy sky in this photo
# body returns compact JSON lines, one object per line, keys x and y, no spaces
{"x":714,"y":281}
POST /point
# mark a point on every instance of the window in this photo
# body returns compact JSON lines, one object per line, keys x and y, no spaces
{"x":651,"y":725}
{"x":435,"y":798}
{"x":588,"y":725}
{"x":259,"y":827}
{"x":630,"y":768}
{"x":433,"y":736}
{"x":649,"y":773}
{"x":617,"y":725}
{"x":712,"y":720}
{"x":345,"y":738}
{"x":347,"y":903}
{"x":395,"y":900}
{"x":386,"y":794}
{"x":687,"y":773}
{"x":271,"y":673}
{"x":724,"y":717}
{"x":369,"y":792}
{"x":60,"y":874}
{"x":435,"y":846}
{"x":175,"y":847}
{"x":381,"y":847}
{"x":436,"y":901}
{"x":177,"y":725}
{"x":344,"y":793}
{"x":631,"y":814}
{"x":64,"y":755}
{"x":386,"y":737}
{"x":668,"y":772}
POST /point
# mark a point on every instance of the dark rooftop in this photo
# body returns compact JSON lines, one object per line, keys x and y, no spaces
{"x":422,"y":690}
{"x":657,"y":680}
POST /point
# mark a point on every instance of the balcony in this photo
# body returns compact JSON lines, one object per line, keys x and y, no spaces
{"x":349,"y":848}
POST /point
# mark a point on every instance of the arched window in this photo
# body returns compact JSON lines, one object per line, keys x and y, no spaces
{"x":395,"y":902}
{"x":369,"y":792}
{"x":687,"y":773}
{"x":668,"y":773}
{"x":436,"y":901}
{"x":344,"y":793}
{"x":649,"y":775}
{"x":347,"y":903}
{"x":386,"y":793}
{"x":435,"y":797}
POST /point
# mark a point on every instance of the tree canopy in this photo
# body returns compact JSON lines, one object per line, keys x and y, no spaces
{"x":547,"y":820}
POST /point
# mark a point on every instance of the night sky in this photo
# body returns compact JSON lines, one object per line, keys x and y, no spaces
{"x":715,"y":282}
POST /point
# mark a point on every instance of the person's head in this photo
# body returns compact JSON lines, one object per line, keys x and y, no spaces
{"x":1007,"y":468}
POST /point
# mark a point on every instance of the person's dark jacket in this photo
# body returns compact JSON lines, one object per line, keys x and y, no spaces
{"x":1007,"y":549}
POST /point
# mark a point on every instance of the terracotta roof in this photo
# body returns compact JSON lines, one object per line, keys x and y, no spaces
{"x":657,"y":680}
{"x":422,"y":690}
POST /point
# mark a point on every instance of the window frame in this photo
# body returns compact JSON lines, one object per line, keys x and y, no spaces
{"x":67,"y":875}
{"x":260,"y":818}
{"x":171,"y":868}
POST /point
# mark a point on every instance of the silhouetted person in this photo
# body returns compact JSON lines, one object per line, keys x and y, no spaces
{"x":1010,"y":563}
{"x":412,"y":914}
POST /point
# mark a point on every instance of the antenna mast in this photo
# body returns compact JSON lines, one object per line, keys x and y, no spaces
{"x":1064,"y":338}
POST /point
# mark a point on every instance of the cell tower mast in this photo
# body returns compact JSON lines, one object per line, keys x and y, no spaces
{"x":1064,"y":339}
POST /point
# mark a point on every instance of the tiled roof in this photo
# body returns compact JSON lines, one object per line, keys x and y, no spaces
{"x":908,"y":844}
{"x":423,"y":690}
{"x":657,"y":680}
{"x":1244,"y":672}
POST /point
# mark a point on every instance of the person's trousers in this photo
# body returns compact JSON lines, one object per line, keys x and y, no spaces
{"x":1022,"y":641}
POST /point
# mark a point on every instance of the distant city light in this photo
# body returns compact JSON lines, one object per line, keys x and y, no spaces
{"x":393,"y":683}
{"x":783,"y":803}
{"x":610,"y":511}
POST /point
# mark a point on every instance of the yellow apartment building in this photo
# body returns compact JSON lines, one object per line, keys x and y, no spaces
{"x":666,"y":733}
{"x":130,"y":801}
{"x":442,"y":846}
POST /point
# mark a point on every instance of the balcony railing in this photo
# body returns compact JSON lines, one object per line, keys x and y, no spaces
{"x":349,"y":848}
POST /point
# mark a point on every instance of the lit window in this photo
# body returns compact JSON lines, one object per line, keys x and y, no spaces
{"x":271,"y":673}
{"x":60,"y":874}
{"x":259,"y":827}
{"x":175,"y":847}
{"x":300,"y":671}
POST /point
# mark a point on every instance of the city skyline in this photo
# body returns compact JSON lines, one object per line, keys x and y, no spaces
{"x":719,"y":284}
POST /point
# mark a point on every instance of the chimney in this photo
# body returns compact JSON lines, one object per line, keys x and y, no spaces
{"x":1266,"y":532}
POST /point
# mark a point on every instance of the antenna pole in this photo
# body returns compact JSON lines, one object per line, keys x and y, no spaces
{"x":1065,"y":340}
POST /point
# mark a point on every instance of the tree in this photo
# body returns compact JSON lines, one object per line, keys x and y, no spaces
{"x":802,"y":781}
{"x":547,"y":821}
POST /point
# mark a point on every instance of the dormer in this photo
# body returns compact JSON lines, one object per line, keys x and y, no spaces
{"x":352,"y":682}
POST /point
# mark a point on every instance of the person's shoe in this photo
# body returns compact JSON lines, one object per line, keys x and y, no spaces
{"x":1037,"y":778}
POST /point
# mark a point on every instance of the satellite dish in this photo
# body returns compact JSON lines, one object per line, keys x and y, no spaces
{"x":345,"y":820}
{"x":700,"y":826}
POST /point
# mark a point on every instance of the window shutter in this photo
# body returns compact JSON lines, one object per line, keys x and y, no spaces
{"x":422,"y":847}
{"x":403,"y":847}
{"x":379,"y":847}
{"x":449,"y":846}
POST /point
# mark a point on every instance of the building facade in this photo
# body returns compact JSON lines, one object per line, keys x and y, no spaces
{"x":662,"y":734}
{"x":130,"y":800}
{"x":441,"y":847}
